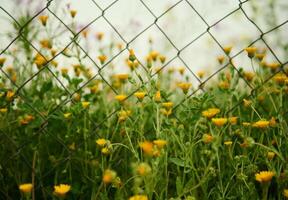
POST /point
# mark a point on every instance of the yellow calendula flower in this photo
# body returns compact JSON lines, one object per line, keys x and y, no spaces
{"x":181,"y":70}
{"x":261,"y":124}
{"x":40,"y":61}
{"x":143,"y":169}
{"x":251,"y":51}
{"x":147,"y":147}
{"x":280,"y":78}
{"x":26,"y":188}
{"x":168,"y":104}
{"x":160,"y":143}
{"x":166,"y":112}
{"x":102,"y":59}
{"x":207,"y":138}
{"x":140,"y":95}
{"x":228,"y":143}
{"x":162,"y":59}
{"x":139,"y":197}
{"x":109,"y":176}
{"x":248,"y":76}
{"x":270,"y":155}
{"x":273,"y":66}
{"x":85,"y":104}
{"x":184,"y":86}
{"x":211,"y":112}
{"x":101,"y":142}
{"x":3,"y":110}
{"x":9,"y":95}
{"x":201,"y":74}
{"x":2,"y":61}
{"x":264,"y":176}
{"x":105,"y":151}
{"x":220,"y":59}
{"x":154,"y":55}
{"x":100,"y":36}
{"x":224,"y":85}
{"x":285,"y":193}
{"x":260,"y":56}
{"x":61,"y":190}
{"x":121,"y":77}
{"x":219,"y":121}
{"x":120,"y":97}
{"x":45,"y":43}
{"x":157,"y":96}
{"x":43,"y":19}
{"x":73,"y":13}
{"x":123,"y":115}
{"x":227,"y":49}
{"x":233,"y":120}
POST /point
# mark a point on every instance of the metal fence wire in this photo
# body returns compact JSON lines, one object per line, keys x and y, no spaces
{"x":43,"y":127}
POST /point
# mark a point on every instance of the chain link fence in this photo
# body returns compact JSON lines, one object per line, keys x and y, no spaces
{"x":73,"y":36}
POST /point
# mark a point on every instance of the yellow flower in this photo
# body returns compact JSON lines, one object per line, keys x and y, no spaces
{"x":73,"y":13}
{"x":143,"y":169}
{"x":224,"y":84}
{"x":233,"y":120}
{"x":280,"y":78}
{"x":120,"y":97}
{"x":105,"y":151}
{"x":220,"y":59}
{"x":132,"y":56}
{"x":109,"y":176}
{"x":26,"y":187}
{"x":285,"y":193}
{"x":246,"y":124}
{"x":168,"y":104}
{"x":261,"y":124}
{"x":166,"y":112}
{"x":67,"y":115}
{"x":157,"y":96}
{"x":64,"y":71}
{"x":43,"y":19}
{"x":201,"y":74}
{"x":160,"y":143}
{"x":162,"y":59}
{"x":270,"y":155}
{"x":2,"y":61}
{"x":247,"y":103}
{"x":154,"y":55}
{"x":228,"y":143}
{"x":139,"y":197}
{"x":184,"y":86}
{"x":181,"y":70}
{"x":85,"y":104}
{"x":207,"y":138}
{"x":147,"y":147}
{"x":123,"y":115}
{"x":140,"y":95}
{"x":122,"y":77}
{"x":227,"y":49}
{"x":39,"y":60}
{"x":273,"y":66}
{"x":61,"y":189}
{"x":264,"y":176}
{"x":3,"y":110}
{"x":251,"y":51}
{"x":211,"y":112}
{"x":9,"y":95}
{"x":249,"y":76}
{"x":260,"y":56}
{"x":99,"y":36}
{"x":102,"y":59}
{"x":46,"y":44}
{"x":101,"y":142}
{"x":219,"y":121}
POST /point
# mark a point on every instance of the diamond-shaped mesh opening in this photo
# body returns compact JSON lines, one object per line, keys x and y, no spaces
{"x":276,"y":40}
{"x":131,"y":23}
{"x":260,"y":13}
{"x":203,"y":55}
{"x":216,"y":9}
{"x":85,"y":12}
{"x":159,"y":7}
{"x":228,"y":34}
{"x":181,"y":24}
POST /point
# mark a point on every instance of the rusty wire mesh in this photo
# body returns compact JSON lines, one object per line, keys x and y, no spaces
{"x":42,"y":128}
